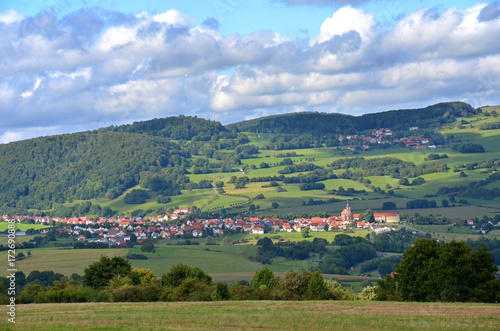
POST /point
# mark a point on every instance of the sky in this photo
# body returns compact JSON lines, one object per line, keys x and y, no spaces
{"x":68,"y":66}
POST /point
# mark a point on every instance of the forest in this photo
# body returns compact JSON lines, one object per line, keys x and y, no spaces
{"x":431,"y":116}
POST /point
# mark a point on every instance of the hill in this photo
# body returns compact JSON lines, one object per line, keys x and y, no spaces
{"x":149,"y":167}
{"x":322,"y":123}
{"x":44,"y":173}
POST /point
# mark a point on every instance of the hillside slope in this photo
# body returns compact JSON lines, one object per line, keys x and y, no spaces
{"x":323,"y":123}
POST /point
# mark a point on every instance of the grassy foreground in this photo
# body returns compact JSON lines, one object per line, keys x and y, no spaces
{"x":267,"y":315}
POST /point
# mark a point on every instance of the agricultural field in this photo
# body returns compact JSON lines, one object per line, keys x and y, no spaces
{"x":23,"y":227}
{"x":213,"y":259}
{"x":450,"y":232}
{"x":64,"y":261}
{"x":267,"y":315}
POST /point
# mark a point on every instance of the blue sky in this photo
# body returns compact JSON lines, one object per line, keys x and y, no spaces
{"x":67,"y":66}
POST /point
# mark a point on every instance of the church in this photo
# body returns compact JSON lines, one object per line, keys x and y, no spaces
{"x":385,"y":217}
{"x":347,"y":215}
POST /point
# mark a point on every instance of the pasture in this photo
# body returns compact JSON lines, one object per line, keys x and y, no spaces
{"x":64,"y":261}
{"x":245,"y":315}
{"x":23,"y":227}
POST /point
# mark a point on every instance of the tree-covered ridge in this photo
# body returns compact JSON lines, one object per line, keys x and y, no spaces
{"x":322,"y":123}
{"x":177,"y":128}
{"x":39,"y":172}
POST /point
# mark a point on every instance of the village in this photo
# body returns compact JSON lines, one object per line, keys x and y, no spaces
{"x":383,"y":136}
{"x":118,"y":231}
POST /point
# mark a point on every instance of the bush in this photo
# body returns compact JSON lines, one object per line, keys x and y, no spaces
{"x":337,"y":292}
{"x":389,"y":205}
{"x":193,"y":289}
{"x":136,"y":197}
{"x":469,"y":148}
{"x":181,"y":272}
{"x":294,"y":285}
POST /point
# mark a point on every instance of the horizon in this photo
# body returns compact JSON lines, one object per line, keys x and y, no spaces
{"x":72,"y":67}
{"x":225,"y":125}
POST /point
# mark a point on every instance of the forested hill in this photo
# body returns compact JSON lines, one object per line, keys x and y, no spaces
{"x":322,"y":123}
{"x":43,"y":173}
{"x":177,"y":128}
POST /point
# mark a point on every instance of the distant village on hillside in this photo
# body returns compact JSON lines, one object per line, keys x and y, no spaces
{"x":383,"y":136}
{"x":117,"y":231}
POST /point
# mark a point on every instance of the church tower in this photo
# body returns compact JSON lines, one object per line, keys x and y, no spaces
{"x":347,"y":214}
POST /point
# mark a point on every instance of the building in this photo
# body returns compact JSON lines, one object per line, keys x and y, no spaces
{"x":388,"y":217}
{"x":347,"y":215}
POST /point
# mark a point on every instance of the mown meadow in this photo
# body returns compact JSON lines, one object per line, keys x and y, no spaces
{"x":250,"y":315}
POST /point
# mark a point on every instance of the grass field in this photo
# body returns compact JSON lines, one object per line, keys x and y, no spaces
{"x":450,"y":232}
{"x":23,"y":227}
{"x":251,"y":315}
{"x":65,"y":261}
{"x":212,"y":259}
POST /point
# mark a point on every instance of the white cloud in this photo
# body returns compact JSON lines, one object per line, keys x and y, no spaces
{"x":347,"y":19}
{"x":28,"y":94}
{"x":11,"y":16}
{"x":174,"y":17}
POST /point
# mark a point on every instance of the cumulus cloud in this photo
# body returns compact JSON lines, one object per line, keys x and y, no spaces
{"x":99,"y":68}
{"x":347,"y":19}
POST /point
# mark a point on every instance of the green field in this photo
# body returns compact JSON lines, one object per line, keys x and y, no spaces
{"x":450,"y":232}
{"x":65,"y":261}
{"x":22,"y":227}
{"x":212,"y":259}
{"x":247,"y":315}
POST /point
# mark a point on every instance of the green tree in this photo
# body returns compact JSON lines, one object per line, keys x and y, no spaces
{"x":178,"y":273}
{"x":388,"y":205}
{"x":433,"y":271}
{"x":305,"y":233}
{"x":317,"y":286}
{"x":294,"y":285}
{"x":98,"y":274}
{"x":148,"y":246}
{"x":263,"y":277}
{"x":404,"y":181}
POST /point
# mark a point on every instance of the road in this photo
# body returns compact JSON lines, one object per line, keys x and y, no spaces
{"x":424,"y":233}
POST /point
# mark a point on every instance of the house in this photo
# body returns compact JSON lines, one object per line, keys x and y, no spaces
{"x":257,"y":230}
{"x":470,"y":222}
{"x":413,"y":128}
{"x":317,"y":226}
{"x":387,"y":217}
{"x":287,"y":227}
{"x":352,"y":148}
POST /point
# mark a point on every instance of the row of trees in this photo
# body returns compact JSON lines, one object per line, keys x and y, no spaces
{"x":428,"y":271}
